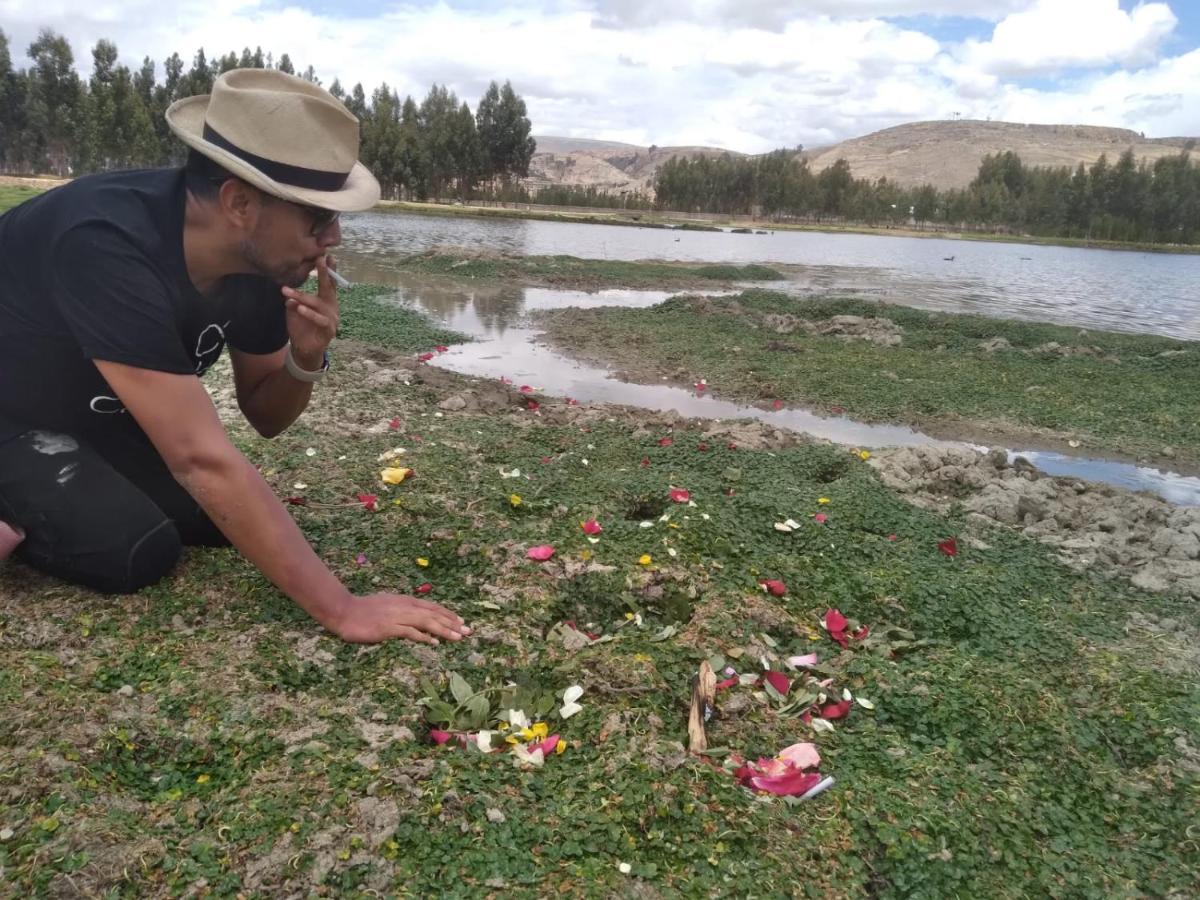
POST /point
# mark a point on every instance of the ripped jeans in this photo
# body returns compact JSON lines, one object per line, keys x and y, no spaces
{"x":102,"y":512}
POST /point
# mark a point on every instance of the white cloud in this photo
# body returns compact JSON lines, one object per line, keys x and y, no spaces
{"x":717,"y":72}
{"x":1061,"y":34}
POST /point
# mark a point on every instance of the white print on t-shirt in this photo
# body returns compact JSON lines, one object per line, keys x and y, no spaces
{"x":209,"y":346}
{"x":52,"y":443}
{"x":106,"y":405}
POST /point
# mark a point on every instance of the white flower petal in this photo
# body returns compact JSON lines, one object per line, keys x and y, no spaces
{"x":846,"y":695}
{"x":569,"y":709}
{"x":819,"y":724}
{"x":573,"y":693}
{"x":624,"y":868}
{"x":864,"y":703}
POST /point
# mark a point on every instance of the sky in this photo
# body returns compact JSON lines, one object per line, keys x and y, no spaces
{"x":744,"y":75}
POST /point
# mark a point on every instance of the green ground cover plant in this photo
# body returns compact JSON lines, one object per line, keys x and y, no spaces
{"x":204,"y":736}
{"x":1128,"y":393}
{"x":14,"y":195}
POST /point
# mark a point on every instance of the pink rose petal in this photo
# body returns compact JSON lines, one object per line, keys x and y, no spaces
{"x":591,"y":526}
{"x":791,"y":784}
{"x":808,"y":659}
{"x":802,"y":755}
{"x":438,"y":736}
{"x":541,"y":553}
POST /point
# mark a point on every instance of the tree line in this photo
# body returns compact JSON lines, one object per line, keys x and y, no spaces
{"x":1128,"y":200}
{"x":51,"y":120}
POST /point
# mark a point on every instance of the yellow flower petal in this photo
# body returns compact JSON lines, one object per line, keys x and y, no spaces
{"x":422,"y":561}
{"x":644,"y":559}
{"x":202,"y":779}
{"x":822,"y":500}
{"x":561,"y":748}
{"x":394,"y":474}
{"x":515,"y":499}
{"x":865,"y":454}
{"x":540,"y":730}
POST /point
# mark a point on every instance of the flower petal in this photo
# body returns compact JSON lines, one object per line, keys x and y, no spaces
{"x":591,"y":526}
{"x":836,"y":710}
{"x":573,"y":693}
{"x":949,"y":547}
{"x":834,"y":620}
{"x":808,"y":659}
{"x":802,"y":755}
{"x":394,"y":475}
{"x":541,"y":553}
{"x":368,"y":501}
{"x":791,"y":784}
{"x":777,"y":680}
{"x":423,"y":588}
{"x":438,"y":736}
{"x":774,"y":587}
{"x":679,"y":495}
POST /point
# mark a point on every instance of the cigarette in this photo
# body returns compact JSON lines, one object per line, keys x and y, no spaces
{"x":823,"y":785}
{"x":339,"y":280}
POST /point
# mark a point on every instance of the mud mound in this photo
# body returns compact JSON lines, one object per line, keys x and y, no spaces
{"x":876,"y":330}
{"x":1139,"y":536}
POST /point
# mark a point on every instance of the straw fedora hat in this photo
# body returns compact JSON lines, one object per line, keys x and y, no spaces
{"x":280,"y":133}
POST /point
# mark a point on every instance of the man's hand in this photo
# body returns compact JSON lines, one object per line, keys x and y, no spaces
{"x":378,"y":617}
{"x":312,"y":319}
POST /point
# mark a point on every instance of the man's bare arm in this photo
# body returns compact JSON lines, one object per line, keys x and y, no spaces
{"x":177,"y":415}
{"x":268,"y":396}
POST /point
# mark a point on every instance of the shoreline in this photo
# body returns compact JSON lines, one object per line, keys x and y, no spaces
{"x":674,"y":220}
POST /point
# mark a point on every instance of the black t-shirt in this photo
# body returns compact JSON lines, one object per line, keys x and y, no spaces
{"x":94,"y":270}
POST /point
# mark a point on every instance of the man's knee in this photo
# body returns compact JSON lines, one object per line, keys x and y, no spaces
{"x":150,"y":558}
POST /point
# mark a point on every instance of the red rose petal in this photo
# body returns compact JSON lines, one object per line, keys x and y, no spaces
{"x":591,"y":526}
{"x":394,"y":424}
{"x":425,"y":357}
{"x":778,"y":680}
{"x":645,"y":460}
{"x":778,"y":404}
{"x":441,"y":349}
{"x":949,"y":546}
{"x":727,"y":683}
{"x":438,"y":736}
{"x":296,"y":501}
{"x":834,"y":620}
{"x":525,"y":389}
{"x":774,"y":588}
{"x":836,"y":710}
{"x":368,"y":501}
{"x":665,"y":442}
{"x":423,"y":588}
{"x":679,"y":495}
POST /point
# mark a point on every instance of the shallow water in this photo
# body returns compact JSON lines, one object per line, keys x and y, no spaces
{"x":1152,"y":293}
{"x":506,"y":346}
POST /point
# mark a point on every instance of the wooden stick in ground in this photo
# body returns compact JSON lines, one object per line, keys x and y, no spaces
{"x":704,"y":691}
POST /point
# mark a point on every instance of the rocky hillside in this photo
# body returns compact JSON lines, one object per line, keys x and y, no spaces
{"x":606,"y":165}
{"x":944,"y":153}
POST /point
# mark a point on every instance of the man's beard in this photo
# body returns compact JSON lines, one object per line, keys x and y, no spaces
{"x":290,"y":276}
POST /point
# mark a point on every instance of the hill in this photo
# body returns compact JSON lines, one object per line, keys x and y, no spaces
{"x":943,"y":153}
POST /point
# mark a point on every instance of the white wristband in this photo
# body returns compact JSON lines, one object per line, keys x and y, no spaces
{"x":293,"y":369}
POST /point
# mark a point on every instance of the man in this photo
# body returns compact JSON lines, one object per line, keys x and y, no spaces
{"x":118,"y":290}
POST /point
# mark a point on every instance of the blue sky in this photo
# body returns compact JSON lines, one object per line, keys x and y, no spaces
{"x":747,"y":75}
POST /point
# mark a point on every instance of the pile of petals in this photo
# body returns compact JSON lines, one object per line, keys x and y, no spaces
{"x":529,"y":743}
{"x":784,"y":775}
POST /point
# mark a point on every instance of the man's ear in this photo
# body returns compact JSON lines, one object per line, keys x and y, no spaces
{"x":240,"y":203}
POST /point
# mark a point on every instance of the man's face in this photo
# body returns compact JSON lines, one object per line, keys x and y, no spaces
{"x":288,"y":239}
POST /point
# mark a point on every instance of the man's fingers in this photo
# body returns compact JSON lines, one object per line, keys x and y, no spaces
{"x":415,"y":634}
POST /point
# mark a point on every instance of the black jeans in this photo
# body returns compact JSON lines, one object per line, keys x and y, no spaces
{"x":100,"y":511}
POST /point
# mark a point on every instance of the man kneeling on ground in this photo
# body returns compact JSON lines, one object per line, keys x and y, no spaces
{"x":117,"y":291}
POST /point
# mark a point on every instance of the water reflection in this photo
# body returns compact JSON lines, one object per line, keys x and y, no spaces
{"x":505,"y":345}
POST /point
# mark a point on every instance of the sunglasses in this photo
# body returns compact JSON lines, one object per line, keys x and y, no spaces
{"x":321,"y":218}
